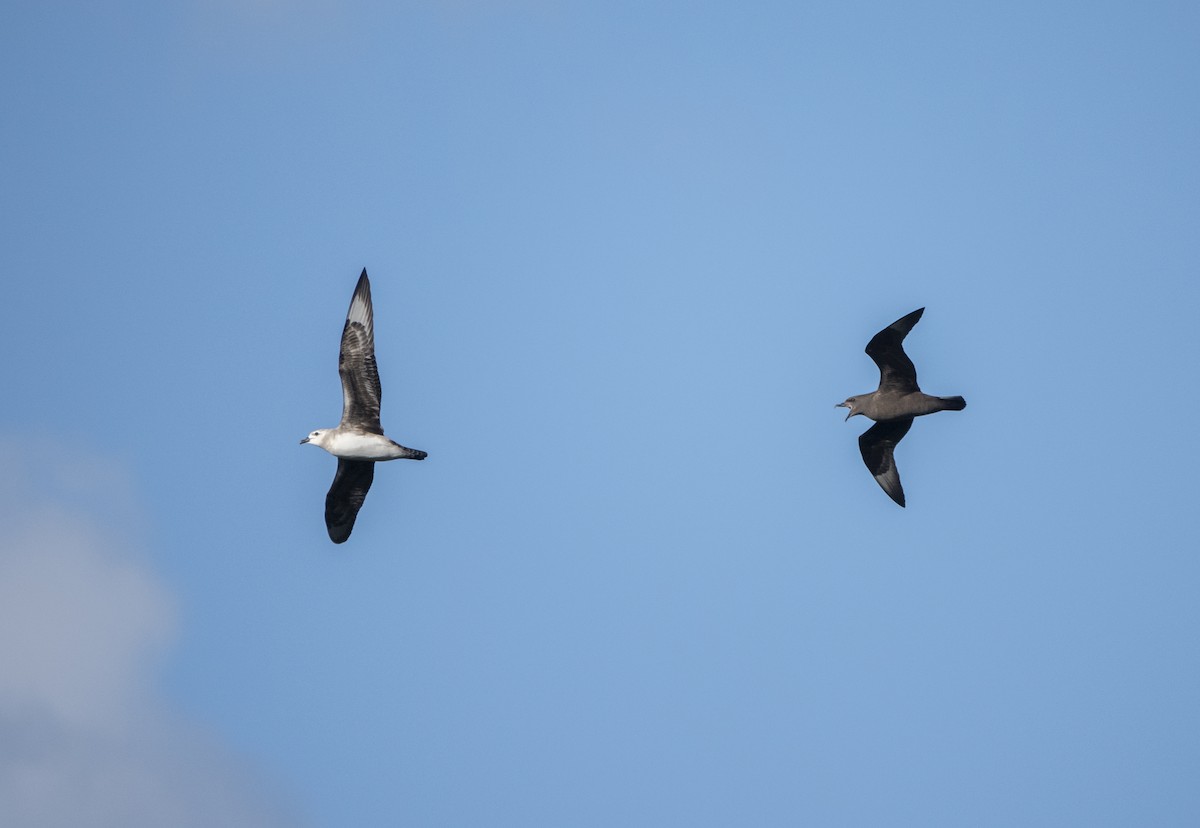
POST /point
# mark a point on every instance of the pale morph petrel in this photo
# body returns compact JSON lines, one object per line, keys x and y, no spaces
{"x":894,"y":404}
{"x":358,"y":442}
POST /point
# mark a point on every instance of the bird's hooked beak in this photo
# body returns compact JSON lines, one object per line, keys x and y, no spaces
{"x":305,"y":440}
{"x":849,"y":414}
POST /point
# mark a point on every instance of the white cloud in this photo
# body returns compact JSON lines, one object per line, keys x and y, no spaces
{"x":85,"y":738}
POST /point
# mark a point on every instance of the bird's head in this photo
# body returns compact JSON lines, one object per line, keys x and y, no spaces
{"x":317,"y":438}
{"x":851,"y":403}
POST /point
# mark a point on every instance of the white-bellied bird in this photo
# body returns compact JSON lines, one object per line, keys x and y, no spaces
{"x":358,"y":441}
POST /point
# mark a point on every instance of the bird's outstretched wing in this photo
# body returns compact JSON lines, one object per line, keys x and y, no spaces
{"x":361,"y":393}
{"x":346,"y":496}
{"x":877,"y":445}
{"x":896,"y":371}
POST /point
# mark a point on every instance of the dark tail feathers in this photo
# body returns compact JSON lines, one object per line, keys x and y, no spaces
{"x":953,"y":403}
{"x":410,"y":454}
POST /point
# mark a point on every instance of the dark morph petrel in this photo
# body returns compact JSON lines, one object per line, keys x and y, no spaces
{"x":358,"y":442}
{"x":894,"y":404}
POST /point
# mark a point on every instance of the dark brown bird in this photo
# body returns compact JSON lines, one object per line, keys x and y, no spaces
{"x":894,"y":404}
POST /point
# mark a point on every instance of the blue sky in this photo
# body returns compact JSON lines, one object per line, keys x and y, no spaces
{"x":625,"y":258}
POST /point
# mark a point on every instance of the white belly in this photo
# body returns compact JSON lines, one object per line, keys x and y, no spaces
{"x":355,"y":446}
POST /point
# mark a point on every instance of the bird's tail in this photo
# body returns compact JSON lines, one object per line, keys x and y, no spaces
{"x":953,"y":403}
{"x":407,"y":453}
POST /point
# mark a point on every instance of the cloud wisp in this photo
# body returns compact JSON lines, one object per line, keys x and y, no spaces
{"x":86,"y":738}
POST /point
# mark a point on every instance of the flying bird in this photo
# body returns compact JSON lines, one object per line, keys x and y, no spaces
{"x":894,"y":404}
{"x":357,"y":442}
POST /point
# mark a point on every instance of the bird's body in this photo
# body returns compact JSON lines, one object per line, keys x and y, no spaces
{"x":894,"y":404}
{"x":879,"y":406}
{"x":361,"y":445}
{"x":358,"y":441}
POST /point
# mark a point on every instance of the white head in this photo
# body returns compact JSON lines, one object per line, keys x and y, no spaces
{"x":319,"y":438}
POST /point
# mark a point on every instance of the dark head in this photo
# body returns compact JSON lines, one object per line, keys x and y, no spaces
{"x":853,"y":404}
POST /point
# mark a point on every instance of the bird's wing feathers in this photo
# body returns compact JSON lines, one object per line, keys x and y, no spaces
{"x":346,"y":496}
{"x":877,"y":445}
{"x":361,"y":392}
{"x":896,"y":370}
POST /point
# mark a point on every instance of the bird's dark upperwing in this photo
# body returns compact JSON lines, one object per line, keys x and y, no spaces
{"x":361,"y":393}
{"x":896,"y":371}
{"x":346,"y":496}
{"x":877,"y":445}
